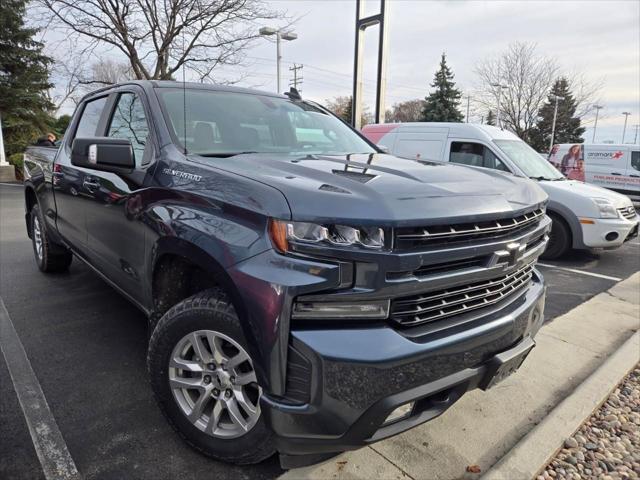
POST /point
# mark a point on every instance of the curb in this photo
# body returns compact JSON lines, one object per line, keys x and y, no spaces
{"x":538,"y":447}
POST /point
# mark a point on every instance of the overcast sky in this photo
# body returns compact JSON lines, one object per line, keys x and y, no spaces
{"x":598,"y":38}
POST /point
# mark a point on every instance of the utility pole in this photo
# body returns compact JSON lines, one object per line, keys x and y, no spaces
{"x":468,"y":101}
{"x":297,"y":78}
{"x":635,"y":138}
{"x":555,"y":116}
{"x":624,"y":130}
{"x":595,"y":125}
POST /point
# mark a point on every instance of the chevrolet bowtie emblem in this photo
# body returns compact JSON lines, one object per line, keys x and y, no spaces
{"x":510,"y":255}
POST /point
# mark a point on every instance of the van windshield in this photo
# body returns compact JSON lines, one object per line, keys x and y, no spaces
{"x":227,"y":123}
{"x":528,"y":160}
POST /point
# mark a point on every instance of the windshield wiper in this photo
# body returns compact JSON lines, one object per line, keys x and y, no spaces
{"x":224,"y":154}
{"x":541,"y":178}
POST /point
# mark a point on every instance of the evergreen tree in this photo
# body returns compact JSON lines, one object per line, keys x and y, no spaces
{"x":568,"y":128}
{"x":491,"y":118}
{"x":442,"y":104}
{"x":24,"y":79}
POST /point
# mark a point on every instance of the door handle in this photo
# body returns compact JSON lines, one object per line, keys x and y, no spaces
{"x":634,"y":175}
{"x":616,"y":173}
{"x":91,"y":183}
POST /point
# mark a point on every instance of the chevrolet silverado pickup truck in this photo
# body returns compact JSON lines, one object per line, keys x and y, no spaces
{"x":307,"y":293}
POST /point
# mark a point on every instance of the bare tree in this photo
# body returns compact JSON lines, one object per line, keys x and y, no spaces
{"x":342,"y":107}
{"x":408,"y":111}
{"x":158,"y":38}
{"x":528,"y":77}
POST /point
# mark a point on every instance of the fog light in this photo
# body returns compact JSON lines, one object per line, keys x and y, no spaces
{"x":401,"y":412}
{"x":611,"y":236}
{"x":319,"y":310}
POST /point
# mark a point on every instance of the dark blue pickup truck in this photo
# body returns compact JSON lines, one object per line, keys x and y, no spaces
{"x":306,"y":293}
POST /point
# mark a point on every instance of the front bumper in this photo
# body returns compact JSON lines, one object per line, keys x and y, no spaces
{"x":601,"y":233}
{"x":358,"y":376}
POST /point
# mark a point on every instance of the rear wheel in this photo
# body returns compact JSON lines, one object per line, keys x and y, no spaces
{"x":559,"y":239}
{"x":49,"y":256}
{"x":204,"y":380}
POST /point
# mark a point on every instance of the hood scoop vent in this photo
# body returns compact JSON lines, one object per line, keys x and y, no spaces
{"x":356,"y":176}
{"x":330,"y":188}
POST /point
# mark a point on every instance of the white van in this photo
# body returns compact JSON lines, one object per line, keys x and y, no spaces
{"x":616,"y":167}
{"x":584,"y":216}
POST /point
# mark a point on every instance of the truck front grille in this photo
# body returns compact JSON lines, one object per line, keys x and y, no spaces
{"x":409,"y":238}
{"x":449,"y":302}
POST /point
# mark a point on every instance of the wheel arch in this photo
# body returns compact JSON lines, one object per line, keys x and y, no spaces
{"x":30,"y":200}
{"x":174,"y":258}
{"x":571,"y":220}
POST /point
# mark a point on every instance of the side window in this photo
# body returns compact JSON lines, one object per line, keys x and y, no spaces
{"x":491,"y":161}
{"x":130,"y":122}
{"x":635,"y":160}
{"x":467,"y":153}
{"x":476,"y":155}
{"x":90,"y":117}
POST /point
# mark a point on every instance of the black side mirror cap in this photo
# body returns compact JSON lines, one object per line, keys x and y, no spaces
{"x":103,"y":153}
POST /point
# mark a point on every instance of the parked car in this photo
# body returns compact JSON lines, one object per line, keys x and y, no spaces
{"x":584,"y":216}
{"x":306,"y":293}
{"x":616,"y":167}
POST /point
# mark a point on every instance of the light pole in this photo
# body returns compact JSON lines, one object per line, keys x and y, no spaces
{"x":595,"y":125}
{"x":3,"y":160}
{"x":624,"y":129}
{"x":555,"y":116}
{"x":635,"y":138}
{"x":267,"y":31}
{"x":500,"y":87}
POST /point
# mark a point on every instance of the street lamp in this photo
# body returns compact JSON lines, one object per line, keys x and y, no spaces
{"x":595,"y":125}
{"x":624,"y":130}
{"x":268,"y":31}
{"x":555,"y":116}
{"x":500,"y":87}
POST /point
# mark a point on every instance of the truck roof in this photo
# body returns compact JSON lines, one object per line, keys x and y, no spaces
{"x":151,"y":84}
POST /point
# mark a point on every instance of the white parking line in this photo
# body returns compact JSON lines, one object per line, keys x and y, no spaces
{"x":581,"y":272}
{"x":12,"y":184}
{"x":50,"y":447}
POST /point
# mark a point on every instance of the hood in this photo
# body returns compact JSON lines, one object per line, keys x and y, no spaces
{"x":383,"y":189}
{"x":580,"y":189}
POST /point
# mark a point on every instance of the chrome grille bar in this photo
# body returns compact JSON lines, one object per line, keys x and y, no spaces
{"x":457,"y":231}
{"x":452,"y":301}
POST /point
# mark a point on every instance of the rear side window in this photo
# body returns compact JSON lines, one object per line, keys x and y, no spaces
{"x":635,"y":160}
{"x":129,"y":122}
{"x":476,"y":155}
{"x":88,"y":123}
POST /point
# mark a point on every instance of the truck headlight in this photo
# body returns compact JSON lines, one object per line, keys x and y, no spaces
{"x":606,"y":208}
{"x":284,"y":233}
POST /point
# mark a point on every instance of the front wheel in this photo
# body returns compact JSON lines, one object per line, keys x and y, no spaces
{"x":204,"y":380}
{"x":559,"y":239}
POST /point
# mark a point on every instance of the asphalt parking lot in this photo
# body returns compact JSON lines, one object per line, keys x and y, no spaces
{"x":87,"y":347}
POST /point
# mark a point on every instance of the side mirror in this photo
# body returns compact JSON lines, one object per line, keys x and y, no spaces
{"x":384,"y":148}
{"x":103,"y":153}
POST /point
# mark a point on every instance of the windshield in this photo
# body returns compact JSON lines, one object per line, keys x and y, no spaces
{"x":224,"y":123}
{"x":528,"y":160}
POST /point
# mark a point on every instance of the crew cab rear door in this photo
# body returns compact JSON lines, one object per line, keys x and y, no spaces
{"x":115,"y":223}
{"x":72,"y":193}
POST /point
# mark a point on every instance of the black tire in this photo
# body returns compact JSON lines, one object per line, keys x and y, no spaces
{"x":50,"y":257}
{"x":208,"y":310}
{"x":559,"y":239}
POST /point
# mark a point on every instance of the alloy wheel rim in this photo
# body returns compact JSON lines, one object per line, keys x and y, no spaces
{"x":214,"y":384}
{"x":37,"y":236}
